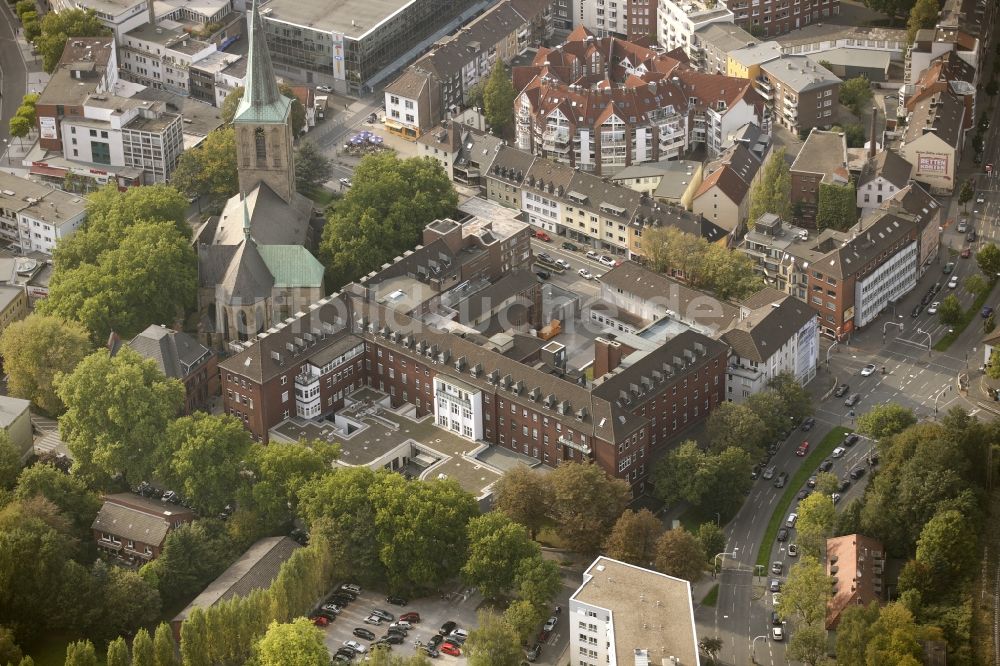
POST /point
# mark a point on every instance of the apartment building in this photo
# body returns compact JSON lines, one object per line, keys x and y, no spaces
{"x":776,"y":334}
{"x":624,"y":614}
{"x":161,"y":56}
{"x":745,"y":62}
{"x":818,"y":39}
{"x":631,"y":20}
{"x":931,"y":44}
{"x":679,"y":20}
{"x":465,"y":153}
{"x":933,"y":138}
{"x":573,"y":103}
{"x":711,"y":45}
{"x":801,"y":93}
{"x":132,"y":528}
{"x":821,"y":160}
{"x":437,"y":85}
{"x":181,"y":357}
{"x":216,"y":75}
{"x":856,"y":565}
{"x":15,"y":421}
{"x":724,"y":195}
{"x":672,"y":182}
{"x":34,"y":217}
{"x":121,"y":16}
{"x":768,"y":245}
{"x":768,"y":19}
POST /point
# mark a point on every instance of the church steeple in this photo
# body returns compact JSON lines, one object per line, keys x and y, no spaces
{"x":263,"y":122}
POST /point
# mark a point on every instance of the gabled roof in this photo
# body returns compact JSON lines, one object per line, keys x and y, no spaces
{"x":729,"y":183}
{"x":247,"y":279}
{"x":135,"y":518}
{"x":262,"y":101}
{"x":760,"y":335}
{"x":272,"y":220}
{"x":409,"y":84}
{"x":292,"y":266}
{"x":890,"y":166}
{"x":941,"y":114}
{"x":175,"y":353}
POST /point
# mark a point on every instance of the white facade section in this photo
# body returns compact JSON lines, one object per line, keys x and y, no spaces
{"x":798,"y":356}
{"x":542,"y":211}
{"x":895,"y":277}
{"x":458,"y":407}
{"x":873,"y":193}
{"x":679,"y":19}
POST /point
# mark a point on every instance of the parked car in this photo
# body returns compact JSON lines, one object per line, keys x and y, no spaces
{"x":545,"y":256}
{"x":402,"y":624}
{"x":775,"y":620}
{"x":385,"y":615}
{"x":980,"y":198}
{"x":793,"y":550}
{"x":857,"y":473}
{"x":776,"y":568}
{"x":755,"y":472}
{"x":356,"y":646}
{"x":550,"y":624}
{"x":790,"y":521}
{"x":826,"y":465}
{"x":592,"y":255}
{"x":803,"y":449}
{"x":429,"y":651}
{"x":841,"y":390}
{"x":373,"y":619}
{"x":398,"y":630}
{"x":782,"y":535}
{"x":845,"y":483}
{"x":775,"y":585}
{"x":585,"y":274}
{"x":542,"y":236}
{"x":361,"y":632}
{"x":838,"y":452}
{"x":324,"y":89}
{"x":562,"y":263}
{"x":411,"y":617}
{"x":987,"y":311}
{"x":962,"y":227}
{"x":534,"y":653}
{"x":868,"y":370}
{"x":395,"y":601}
{"x":808,"y":423}
{"x":971,"y":236}
{"x":934,"y":307}
{"x":448,"y":627}
{"x":332,"y":608}
{"x":342,"y":658}
{"x":936,"y":288}
{"x":781,"y":480}
{"x":608,"y":261}
{"x":320,"y":620}
{"x":346,"y":652}
{"x":448,"y":648}
{"x":569,"y":246}
{"x":393,"y":638}
{"x":351,"y":588}
{"x":850,"y":440}
{"x":852,"y":399}
{"x":436,"y":640}
{"x":811,"y":483}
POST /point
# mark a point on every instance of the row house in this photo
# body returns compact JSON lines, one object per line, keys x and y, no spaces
{"x":724,"y":196}
{"x":34,"y":217}
{"x":161,"y":55}
{"x":933,"y":138}
{"x":800,"y":92}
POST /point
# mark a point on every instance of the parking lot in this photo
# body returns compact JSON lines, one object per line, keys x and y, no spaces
{"x":459,"y":606}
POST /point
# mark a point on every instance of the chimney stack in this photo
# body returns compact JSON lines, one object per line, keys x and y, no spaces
{"x":152,"y":12}
{"x":871,"y":139}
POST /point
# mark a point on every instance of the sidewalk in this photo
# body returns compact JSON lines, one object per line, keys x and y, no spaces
{"x":35,"y":81}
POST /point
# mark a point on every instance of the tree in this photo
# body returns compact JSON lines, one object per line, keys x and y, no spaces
{"x":803,"y":598}
{"x":988,"y":259}
{"x":966,"y":193}
{"x":798,"y":402}
{"x":993,"y":366}
{"x":827,"y":483}
{"x":10,"y":653}
{"x":117,"y":413}
{"x":117,"y":654}
{"x":298,"y":642}
{"x":772,"y":193}
{"x":497,"y":546}
{"x":228,"y":110}
{"x":585,"y":504}
{"x":923,"y":15}
{"x":977,"y":285}
{"x":947,"y":546}
{"x":771,"y":409}
{"x":193,"y":555}
{"x":151,"y":276}
{"x":856,"y":94}
{"x":715,"y":483}
{"x":498,"y":100}
{"x":633,"y":538}
{"x":37,"y":349}
{"x":892,"y":8}
{"x":733,"y":424}
{"x":711,"y":647}
{"x":524,"y":495}
{"x":383,"y":214}
{"x":142,"y":649}
{"x":203,"y":459}
{"x":808,"y":645}
{"x":679,"y":554}
{"x":493,"y":642}
{"x":57,"y":27}
{"x":10,"y":464}
{"x":855,"y":135}
{"x":128,"y":602}
{"x":854,"y":632}
{"x":950,"y":310}
{"x":895,"y":638}
{"x":838,"y":206}
{"x":164,"y":647}
{"x":815,"y":523}
{"x":702,"y":264}
{"x":885,"y":420}
{"x":538,"y":581}
{"x":81,"y":653}
{"x":209,"y":170}
{"x":523,"y":617}
{"x":712,"y":538}
{"x":279,"y":471}
{"x":18,"y":126}
{"x":312,"y":168}
{"x":68,"y":493}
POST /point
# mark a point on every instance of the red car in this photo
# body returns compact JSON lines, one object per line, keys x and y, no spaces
{"x":966,"y":252}
{"x":320,"y":621}
{"x":542,"y":236}
{"x":451,"y":649}
{"x":412,"y":618}
{"x":803,"y":449}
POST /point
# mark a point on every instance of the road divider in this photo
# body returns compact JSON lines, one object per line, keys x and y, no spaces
{"x":792,"y":488}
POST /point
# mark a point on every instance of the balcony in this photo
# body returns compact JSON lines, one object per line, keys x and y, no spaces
{"x":582,"y":448}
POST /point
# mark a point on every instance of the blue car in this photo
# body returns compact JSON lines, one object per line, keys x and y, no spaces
{"x":987,"y":311}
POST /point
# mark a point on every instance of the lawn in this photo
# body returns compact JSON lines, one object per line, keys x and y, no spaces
{"x":712,"y":597}
{"x":967,"y":317}
{"x":795,"y":483}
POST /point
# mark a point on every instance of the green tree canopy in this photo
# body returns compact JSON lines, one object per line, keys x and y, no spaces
{"x":203,"y":459}
{"x":713,"y":482}
{"x":128,"y":602}
{"x":312,"y":168}
{"x":950,"y":310}
{"x":81,"y":653}
{"x":193,"y":556}
{"x":895,"y":638}
{"x":68,"y":493}
{"x":57,"y":27}
{"x":633,"y":538}
{"x":164,"y":647}
{"x":804,"y":596}
{"x":966,"y":193}
{"x":733,"y":424}
{"x":853,"y":633}
{"x":142,"y":649}
{"x":498,"y":100}
{"x":10,"y":463}
{"x":524,"y":495}
{"x":885,"y":420}
{"x":523,"y":617}
{"x":924,"y":14}
{"x":209,"y":170}
{"x":773,"y":192}
{"x":117,"y":654}
{"x":586,"y":502}
{"x":808,"y":645}
{"x":280,"y":470}
{"x":228,"y":110}
{"x":493,"y":642}
{"x":298,"y":642}
{"x":18,"y":126}
{"x":118,"y":409}
{"x":815,"y":523}
{"x":947,"y":546}
{"x":712,"y":538}
{"x":497,"y":546}
{"x":10,"y":652}
{"x":856,"y":94}
{"x":977,"y":285}
{"x":35,"y":351}
{"x":988,"y":259}
{"x":770,"y":407}
{"x":538,"y":581}
{"x":679,"y":554}
{"x":383,"y":214}
{"x":892,"y":8}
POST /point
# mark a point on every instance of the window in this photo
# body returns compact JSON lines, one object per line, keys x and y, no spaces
{"x":260,"y":145}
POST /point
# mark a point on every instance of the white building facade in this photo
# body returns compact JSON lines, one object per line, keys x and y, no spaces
{"x":677,"y":21}
{"x":895,"y":277}
{"x":458,"y":407}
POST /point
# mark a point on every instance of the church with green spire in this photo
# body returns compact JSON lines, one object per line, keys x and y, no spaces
{"x":255,"y":265}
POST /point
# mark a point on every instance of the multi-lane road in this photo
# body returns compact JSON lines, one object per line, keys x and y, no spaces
{"x":13,"y":74}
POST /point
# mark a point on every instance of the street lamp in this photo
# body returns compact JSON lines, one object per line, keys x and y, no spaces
{"x":753,"y":648}
{"x":923,"y":332}
{"x":6,"y":149}
{"x":718,"y":515}
{"x":830,"y":349}
{"x":891,"y":323}
{"x":715,"y":559}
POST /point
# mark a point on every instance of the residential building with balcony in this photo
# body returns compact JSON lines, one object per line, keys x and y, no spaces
{"x":711,"y":45}
{"x":768,"y":244}
{"x":179,"y":356}
{"x":631,"y":20}
{"x":801,"y":93}
{"x":930,"y":44}
{"x":768,"y":18}
{"x":161,"y":55}
{"x":776,"y":334}
{"x":856,"y":565}
{"x":34,"y":217}
{"x":133,"y":528}
{"x":465,"y":153}
{"x":822,"y":159}
{"x":624,"y":614}
{"x":679,"y":20}
{"x":745,"y":62}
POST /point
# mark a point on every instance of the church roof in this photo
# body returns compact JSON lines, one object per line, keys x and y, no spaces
{"x":292,"y":266}
{"x":272,"y":220}
{"x":247,"y":279}
{"x":262,"y":101}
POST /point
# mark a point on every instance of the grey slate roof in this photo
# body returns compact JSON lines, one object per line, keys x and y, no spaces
{"x":247,"y":278}
{"x":890,"y":165}
{"x":512,"y":165}
{"x":133,"y":517}
{"x":481,"y":35}
{"x":760,"y":335}
{"x":272,"y":220}
{"x":174,"y":352}
{"x":11,"y":409}
{"x":942,"y":114}
{"x":408,"y":84}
